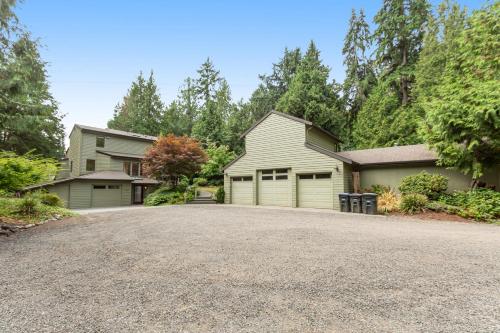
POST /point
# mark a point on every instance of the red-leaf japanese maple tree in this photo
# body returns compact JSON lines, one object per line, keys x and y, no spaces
{"x":173,"y":156}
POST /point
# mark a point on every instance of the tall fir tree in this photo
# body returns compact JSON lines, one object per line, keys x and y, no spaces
{"x":29,"y":116}
{"x":141,"y":110}
{"x":311,"y":97}
{"x":399,"y":36}
{"x":360,"y":77}
{"x":214,"y":99}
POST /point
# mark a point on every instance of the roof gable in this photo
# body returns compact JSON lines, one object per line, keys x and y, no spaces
{"x":108,"y":131}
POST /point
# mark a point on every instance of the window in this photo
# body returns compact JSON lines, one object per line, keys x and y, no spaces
{"x":323,"y":175}
{"x":126,"y":167}
{"x":281,"y":177}
{"x":113,"y":187}
{"x":99,"y":141}
{"x":135,"y":169}
{"x":99,"y":187}
{"x":281,"y":170}
{"x":70,"y":166}
{"x":237,"y":179}
{"x":90,"y":166}
{"x":267,"y":172}
{"x":306,"y":177}
{"x":132,"y":168}
{"x":281,"y":174}
{"x":247,"y":179}
{"x":267,"y":177}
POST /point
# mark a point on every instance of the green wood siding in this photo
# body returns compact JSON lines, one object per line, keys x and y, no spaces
{"x":318,"y":138}
{"x":74,"y":155}
{"x":112,"y":144}
{"x":242,"y":192}
{"x":78,"y":194}
{"x":391,"y":176}
{"x":278,"y":143}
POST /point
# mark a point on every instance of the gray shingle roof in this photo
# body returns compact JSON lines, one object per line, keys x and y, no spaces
{"x":107,"y":175}
{"x":388,"y":155}
{"x":117,"y":132}
{"x":122,"y":155}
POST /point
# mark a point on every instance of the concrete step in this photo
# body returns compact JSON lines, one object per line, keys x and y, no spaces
{"x":201,"y":202}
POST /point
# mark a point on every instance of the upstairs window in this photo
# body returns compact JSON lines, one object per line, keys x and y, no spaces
{"x":90,"y":165}
{"x":99,"y":141}
{"x":132,"y":168}
{"x":135,"y":169}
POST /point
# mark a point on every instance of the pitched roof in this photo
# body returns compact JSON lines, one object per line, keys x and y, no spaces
{"x":107,"y":175}
{"x":117,"y":132}
{"x":391,"y":155}
{"x":300,"y":120}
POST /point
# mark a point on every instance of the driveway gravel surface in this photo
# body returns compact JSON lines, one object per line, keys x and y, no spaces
{"x":201,"y":268}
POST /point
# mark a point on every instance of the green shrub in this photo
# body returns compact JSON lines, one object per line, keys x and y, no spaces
{"x":51,"y":199}
{"x":190,"y":193}
{"x":413,"y":203}
{"x":378,"y":188}
{"x":479,"y":204}
{"x":29,"y":205}
{"x":437,"y":206}
{"x":19,"y":171}
{"x":201,"y":181}
{"x":430,"y":185}
{"x":183,"y":184}
{"x":219,"y":195}
{"x":170,"y":198}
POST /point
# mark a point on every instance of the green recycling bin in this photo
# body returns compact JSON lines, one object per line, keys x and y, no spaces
{"x":345,"y":205}
{"x":369,"y":203}
{"x":355,"y":199}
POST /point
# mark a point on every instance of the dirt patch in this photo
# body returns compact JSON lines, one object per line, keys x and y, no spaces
{"x":440,"y":216}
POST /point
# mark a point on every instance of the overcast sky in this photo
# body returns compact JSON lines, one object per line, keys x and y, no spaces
{"x":96,"y":48}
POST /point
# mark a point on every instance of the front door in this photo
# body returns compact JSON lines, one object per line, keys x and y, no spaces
{"x":138,"y":194}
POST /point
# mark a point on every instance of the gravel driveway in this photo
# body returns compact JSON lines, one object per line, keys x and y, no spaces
{"x":229,"y":269}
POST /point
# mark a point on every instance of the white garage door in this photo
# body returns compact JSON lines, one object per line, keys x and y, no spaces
{"x":106,"y":195}
{"x":242,"y":190}
{"x":315,"y":190}
{"x":274,"y":188}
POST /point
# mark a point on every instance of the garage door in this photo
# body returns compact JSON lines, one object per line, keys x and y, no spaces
{"x":242,"y":190}
{"x":274,"y":188}
{"x":106,"y":195}
{"x":315,"y":190}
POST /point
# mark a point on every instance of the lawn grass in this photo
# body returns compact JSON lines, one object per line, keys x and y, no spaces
{"x":9,"y":209}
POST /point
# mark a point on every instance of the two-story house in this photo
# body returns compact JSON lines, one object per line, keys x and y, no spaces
{"x":102,"y":168}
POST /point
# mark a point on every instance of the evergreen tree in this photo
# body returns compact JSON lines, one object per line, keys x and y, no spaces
{"x":463,"y":117}
{"x":215,"y":103}
{"x":360,"y":77}
{"x":310,"y":96}
{"x":141,"y":110}
{"x":399,"y":36}
{"x":275,"y":85}
{"x":188,"y":106}
{"x":240,"y":119}
{"x":440,"y":40}
{"x":29,"y":117}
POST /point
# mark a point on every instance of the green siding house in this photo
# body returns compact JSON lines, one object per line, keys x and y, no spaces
{"x":102,"y":168}
{"x":291,"y":162}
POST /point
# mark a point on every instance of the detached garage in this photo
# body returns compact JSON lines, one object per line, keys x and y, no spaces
{"x":290,"y":162}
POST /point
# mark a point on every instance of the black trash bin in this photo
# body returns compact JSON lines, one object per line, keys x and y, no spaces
{"x":355,"y":199}
{"x":345,"y":206}
{"x":369,"y":203}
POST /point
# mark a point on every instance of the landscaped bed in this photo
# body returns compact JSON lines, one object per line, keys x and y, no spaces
{"x":31,"y":210}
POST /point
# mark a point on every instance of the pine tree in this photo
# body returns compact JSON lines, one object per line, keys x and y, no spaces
{"x":141,"y":110}
{"x":187,"y":105}
{"x":310,"y":96}
{"x":360,"y":77}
